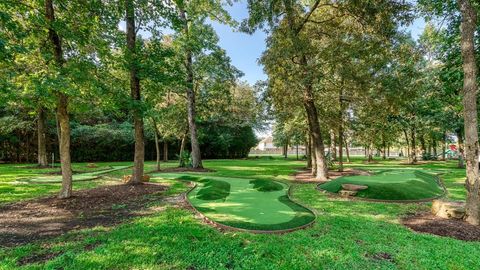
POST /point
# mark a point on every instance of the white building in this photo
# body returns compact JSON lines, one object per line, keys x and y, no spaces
{"x":266,"y":144}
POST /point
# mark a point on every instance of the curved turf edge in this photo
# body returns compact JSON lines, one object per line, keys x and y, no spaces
{"x":392,"y":192}
{"x":305,"y":217}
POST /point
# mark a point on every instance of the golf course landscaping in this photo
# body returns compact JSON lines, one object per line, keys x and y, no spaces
{"x":107,"y":225}
{"x":390,"y":185}
{"x":86,"y":176}
{"x":250,"y":204}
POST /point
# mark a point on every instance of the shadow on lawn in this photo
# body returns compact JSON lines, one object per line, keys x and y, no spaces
{"x":28,"y":221}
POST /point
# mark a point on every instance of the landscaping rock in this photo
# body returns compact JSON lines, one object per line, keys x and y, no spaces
{"x":92,"y":165}
{"x":128,"y":178}
{"x":353,"y":187}
{"x":347,"y":193}
{"x":448,"y":209}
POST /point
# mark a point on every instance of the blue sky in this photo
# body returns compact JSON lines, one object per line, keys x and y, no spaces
{"x":244,"y":49}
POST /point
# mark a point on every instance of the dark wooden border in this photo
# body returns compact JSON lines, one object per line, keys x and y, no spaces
{"x":221,"y":226}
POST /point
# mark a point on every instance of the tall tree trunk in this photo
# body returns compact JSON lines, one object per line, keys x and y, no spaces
{"x":347,"y":151}
{"x":308,"y":98}
{"x":62,"y":107}
{"x":444,"y":147}
{"x":333,"y":146}
{"x":470,"y":88}
{"x":405,"y":132}
{"x":65,"y":160}
{"x":196,"y":155}
{"x":340,"y":130}
{"x":165,"y":150}
{"x":461,"y":163}
{"x":182,"y":147}
{"x":297,"y":151}
{"x":422,"y":145}
{"x":434,"y":148}
{"x":414,"y":146}
{"x":139,"y":155}
{"x":41,"y":138}
{"x":313,"y":157}
{"x":157,"y":144}
{"x":308,"y":152}
{"x":317,"y":140}
{"x":384,"y":150}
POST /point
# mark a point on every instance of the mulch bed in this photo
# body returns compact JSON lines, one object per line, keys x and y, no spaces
{"x":180,"y":169}
{"x":305,"y":176}
{"x":428,"y":223}
{"x":31,"y":220}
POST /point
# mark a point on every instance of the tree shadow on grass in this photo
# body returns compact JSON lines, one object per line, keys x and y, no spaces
{"x":28,"y":221}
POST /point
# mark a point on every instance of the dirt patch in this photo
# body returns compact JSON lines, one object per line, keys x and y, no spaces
{"x":28,"y":221}
{"x":305,"y":176}
{"x":180,"y":169}
{"x":382,"y":256}
{"x":428,"y":223}
{"x":38,"y":258}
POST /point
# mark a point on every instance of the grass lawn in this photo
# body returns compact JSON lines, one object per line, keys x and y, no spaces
{"x":245,"y":203}
{"x":347,"y":234}
{"x":392,"y":184}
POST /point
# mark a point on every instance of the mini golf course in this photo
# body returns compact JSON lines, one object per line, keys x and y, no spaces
{"x":250,"y":204}
{"x":76,"y":177}
{"x":391,"y":185}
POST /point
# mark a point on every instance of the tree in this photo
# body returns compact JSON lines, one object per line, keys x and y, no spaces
{"x":139,"y":155}
{"x":470,"y":89}
{"x":62,"y":104}
{"x":194,"y":37}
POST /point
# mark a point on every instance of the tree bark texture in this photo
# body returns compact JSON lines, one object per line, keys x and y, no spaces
{"x":62,"y":106}
{"x":41,"y":138}
{"x":470,"y":88}
{"x":135,"y":94}
{"x":191,"y":109}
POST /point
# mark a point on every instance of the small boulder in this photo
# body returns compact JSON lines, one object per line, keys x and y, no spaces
{"x":128,"y":178}
{"x":347,"y":193}
{"x":353,"y":187}
{"x":448,"y":209}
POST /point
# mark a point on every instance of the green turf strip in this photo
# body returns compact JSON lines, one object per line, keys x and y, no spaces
{"x":391,"y":185}
{"x":75,"y":177}
{"x":245,"y":203}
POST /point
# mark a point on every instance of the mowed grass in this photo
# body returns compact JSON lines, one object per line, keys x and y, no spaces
{"x":347,"y":234}
{"x":253,"y":204}
{"x":12,"y":177}
{"x":393,"y":184}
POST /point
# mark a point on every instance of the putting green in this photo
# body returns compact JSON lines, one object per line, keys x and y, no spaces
{"x":251,"y":204}
{"x":392,"y":185}
{"x":75,"y":177}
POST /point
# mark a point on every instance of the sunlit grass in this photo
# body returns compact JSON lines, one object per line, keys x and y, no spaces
{"x":347,"y":234}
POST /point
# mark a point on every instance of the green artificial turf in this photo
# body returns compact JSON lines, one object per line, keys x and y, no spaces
{"x":394,"y":184}
{"x":75,"y":177}
{"x":255,"y":204}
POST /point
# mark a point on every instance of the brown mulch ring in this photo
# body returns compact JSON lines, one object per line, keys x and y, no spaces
{"x":27,"y":221}
{"x":181,"y":169}
{"x":428,"y":223}
{"x":305,"y":176}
